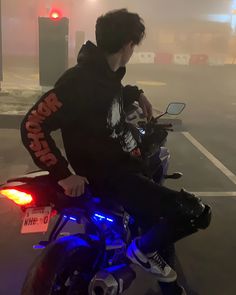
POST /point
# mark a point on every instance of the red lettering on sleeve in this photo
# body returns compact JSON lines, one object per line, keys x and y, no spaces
{"x":49,"y":160}
{"x":43,"y":109}
{"x":35,"y":145}
{"x":35,"y":117}
{"x":44,"y":144}
{"x":33,"y":127}
{"x":52,"y":102}
{"x":42,"y":152}
{"x":38,"y":143}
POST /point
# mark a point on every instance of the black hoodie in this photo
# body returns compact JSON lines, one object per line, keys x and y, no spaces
{"x":87,"y":104}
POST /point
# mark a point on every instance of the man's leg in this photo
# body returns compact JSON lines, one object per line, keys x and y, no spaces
{"x":148,"y":201}
{"x":142,"y":198}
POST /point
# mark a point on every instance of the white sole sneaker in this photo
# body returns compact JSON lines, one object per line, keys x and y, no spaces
{"x":157,"y":267}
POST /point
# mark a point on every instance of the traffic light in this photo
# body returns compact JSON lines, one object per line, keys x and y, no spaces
{"x":55,"y":14}
{"x":53,"y":47}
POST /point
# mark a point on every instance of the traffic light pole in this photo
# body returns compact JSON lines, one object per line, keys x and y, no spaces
{"x":53,"y":49}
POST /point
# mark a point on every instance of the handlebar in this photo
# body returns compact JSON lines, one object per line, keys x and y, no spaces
{"x":152,"y":124}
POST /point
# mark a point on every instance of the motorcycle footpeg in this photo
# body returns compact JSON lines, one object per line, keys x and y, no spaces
{"x":176,"y":175}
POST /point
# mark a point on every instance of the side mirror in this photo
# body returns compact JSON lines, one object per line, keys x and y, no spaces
{"x":175,"y":108}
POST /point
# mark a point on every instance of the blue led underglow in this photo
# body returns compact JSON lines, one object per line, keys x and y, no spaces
{"x":38,"y":247}
{"x":72,"y":218}
{"x":96,"y":200}
{"x":94,"y":237}
{"x":74,"y":242}
{"x":99,"y":216}
{"x":102,"y":217}
{"x":115,"y":267}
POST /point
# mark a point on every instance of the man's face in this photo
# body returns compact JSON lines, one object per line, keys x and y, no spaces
{"x":127,"y":52}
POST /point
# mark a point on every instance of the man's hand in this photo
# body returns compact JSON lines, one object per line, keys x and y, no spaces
{"x":146,"y":106}
{"x":74,"y":185}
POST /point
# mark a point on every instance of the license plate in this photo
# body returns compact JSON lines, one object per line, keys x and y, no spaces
{"x":36,"y":220}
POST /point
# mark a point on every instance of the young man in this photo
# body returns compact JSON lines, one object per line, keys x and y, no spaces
{"x":88,"y":105}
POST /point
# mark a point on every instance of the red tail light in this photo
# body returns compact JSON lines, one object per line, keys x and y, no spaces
{"x":19,"y":197}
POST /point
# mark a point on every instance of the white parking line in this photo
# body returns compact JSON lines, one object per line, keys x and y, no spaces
{"x":151,"y":83}
{"x":210,"y":157}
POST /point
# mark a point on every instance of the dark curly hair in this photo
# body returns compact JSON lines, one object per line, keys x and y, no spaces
{"x":117,"y":28}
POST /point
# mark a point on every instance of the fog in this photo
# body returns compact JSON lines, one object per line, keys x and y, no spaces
{"x":182,"y":26}
{"x":188,"y":55}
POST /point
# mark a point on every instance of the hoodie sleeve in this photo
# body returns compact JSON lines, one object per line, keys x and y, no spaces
{"x":130,"y":95}
{"x":47,"y":115}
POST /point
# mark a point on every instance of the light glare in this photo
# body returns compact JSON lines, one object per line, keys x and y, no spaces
{"x":20,"y":198}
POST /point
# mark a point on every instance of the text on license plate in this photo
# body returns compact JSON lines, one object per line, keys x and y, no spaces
{"x":36,"y":220}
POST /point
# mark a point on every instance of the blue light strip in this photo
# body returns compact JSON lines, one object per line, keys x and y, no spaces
{"x":109,"y":219}
{"x":101,"y":217}
{"x":38,"y":247}
{"x":96,"y":216}
{"x":71,"y":218}
{"x":116,"y":267}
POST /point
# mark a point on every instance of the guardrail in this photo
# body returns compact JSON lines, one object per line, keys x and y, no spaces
{"x":183,"y":59}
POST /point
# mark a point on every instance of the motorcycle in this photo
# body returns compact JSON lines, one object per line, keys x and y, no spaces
{"x":92,"y":260}
{"x":152,"y":137}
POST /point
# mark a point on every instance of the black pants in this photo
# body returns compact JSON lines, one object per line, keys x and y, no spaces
{"x":153,"y":206}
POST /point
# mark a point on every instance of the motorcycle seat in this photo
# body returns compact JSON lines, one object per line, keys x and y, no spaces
{"x":110,"y":205}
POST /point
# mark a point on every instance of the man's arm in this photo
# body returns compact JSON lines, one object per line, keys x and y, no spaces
{"x":132,"y":94}
{"x":44,"y":117}
{"x":52,"y":112}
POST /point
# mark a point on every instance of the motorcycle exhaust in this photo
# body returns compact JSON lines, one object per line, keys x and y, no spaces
{"x":112,"y":281}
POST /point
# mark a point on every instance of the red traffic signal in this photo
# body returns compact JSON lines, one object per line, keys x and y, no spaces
{"x":55,"y":14}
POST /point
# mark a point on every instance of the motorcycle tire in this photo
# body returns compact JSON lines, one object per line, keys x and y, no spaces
{"x":64,"y":267}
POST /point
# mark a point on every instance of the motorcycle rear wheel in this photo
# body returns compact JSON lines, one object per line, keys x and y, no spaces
{"x":65,"y":267}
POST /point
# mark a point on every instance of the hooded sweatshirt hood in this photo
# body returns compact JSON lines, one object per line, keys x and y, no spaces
{"x":92,"y":56}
